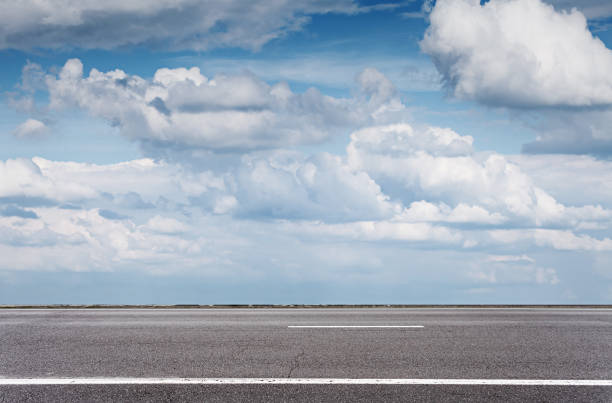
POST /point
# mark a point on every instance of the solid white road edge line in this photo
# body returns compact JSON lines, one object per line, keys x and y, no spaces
{"x":353,"y":326}
{"x":300,"y":381}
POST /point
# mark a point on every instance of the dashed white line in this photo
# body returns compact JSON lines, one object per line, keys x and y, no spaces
{"x":301,"y":381}
{"x":355,"y":326}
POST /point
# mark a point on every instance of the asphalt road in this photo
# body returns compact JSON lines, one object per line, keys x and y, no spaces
{"x":542,"y":344}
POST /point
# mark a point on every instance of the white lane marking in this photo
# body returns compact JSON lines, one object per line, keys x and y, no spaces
{"x":301,"y":381}
{"x":516,"y":309}
{"x":355,"y":326}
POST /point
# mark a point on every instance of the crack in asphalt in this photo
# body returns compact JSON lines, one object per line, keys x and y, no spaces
{"x":295,"y":364}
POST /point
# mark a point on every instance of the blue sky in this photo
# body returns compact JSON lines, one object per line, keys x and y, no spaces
{"x":306,"y":152}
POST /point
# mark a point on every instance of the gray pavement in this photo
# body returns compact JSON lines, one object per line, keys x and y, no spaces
{"x":243,"y":343}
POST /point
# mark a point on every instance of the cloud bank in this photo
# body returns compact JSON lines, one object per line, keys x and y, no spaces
{"x":250,"y":200}
{"x":411,"y":187}
{"x":181,"y":107}
{"x":173,"y":24}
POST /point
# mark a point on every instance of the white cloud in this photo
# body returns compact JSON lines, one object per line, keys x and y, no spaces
{"x":438,"y":164}
{"x":31,"y":128}
{"x":175,"y":24}
{"x":278,"y":184}
{"x":24,"y":178}
{"x":391,"y":173}
{"x":179,"y":233}
{"x":181,"y":107}
{"x":83,"y":240}
{"x":402,"y":139}
{"x":518,"y":53}
{"x":572,"y":179}
{"x":321,"y":187}
{"x":397,"y":187}
{"x":436,"y":173}
{"x":146,"y":177}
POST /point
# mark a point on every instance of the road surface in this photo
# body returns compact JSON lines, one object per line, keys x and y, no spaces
{"x":393,"y":354}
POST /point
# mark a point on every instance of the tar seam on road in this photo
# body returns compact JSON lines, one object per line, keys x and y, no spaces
{"x":355,"y":327}
{"x":301,"y":381}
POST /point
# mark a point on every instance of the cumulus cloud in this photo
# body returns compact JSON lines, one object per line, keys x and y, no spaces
{"x":254,"y":202}
{"x":437,"y":175}
{"x":182,"y":108}
{"x":571,"y":179}
{"x":31,"y":128}
{"x":393,"y":173}
{"x":397,"y":186}
{"x":321,"y":187}
{"x":438,"y":165}
{"x":518,"y":53}
{"x":85,"y":240}
{"x":22,"y":178}
{"x":146,"y":178}
{"x":271,"y":185}
{"x":174,"y":24}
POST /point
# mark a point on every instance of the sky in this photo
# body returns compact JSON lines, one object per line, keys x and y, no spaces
{"x":273,"y":151}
